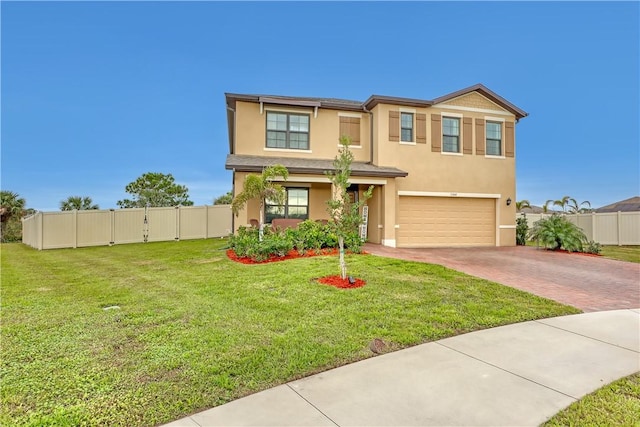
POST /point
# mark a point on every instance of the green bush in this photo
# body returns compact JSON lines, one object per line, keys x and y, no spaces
{"x":275,"y":245}
{"x":592,"y":247}
{"x":244,"y":240}
{"x":309,"y":235}
{"x":557,"y":232}
{"x":522,"y":229}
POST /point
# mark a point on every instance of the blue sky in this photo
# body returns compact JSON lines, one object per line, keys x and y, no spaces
{"x":94,"y":94}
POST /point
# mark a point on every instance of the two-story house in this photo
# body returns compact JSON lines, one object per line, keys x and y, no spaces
{"x":443,"y":170}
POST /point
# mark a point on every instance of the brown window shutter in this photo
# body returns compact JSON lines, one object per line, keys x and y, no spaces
{"x":480,"y":137}
{"x":421,"y":128}
{"x":350,"y":126}
{"x":394,"y":126}
{"x":467,"y":135}
{"x":509,"y":139}
{"x":354,"y":130}
{"x":344,"y":126}
{"x":436,"y":132}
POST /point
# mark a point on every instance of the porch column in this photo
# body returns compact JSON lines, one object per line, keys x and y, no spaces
{"x":389,"y":202}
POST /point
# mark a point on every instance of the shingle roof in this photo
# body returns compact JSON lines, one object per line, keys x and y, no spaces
{"x":245,"y":163}
{"x":629,"y":205}
{"x":378,"y":99}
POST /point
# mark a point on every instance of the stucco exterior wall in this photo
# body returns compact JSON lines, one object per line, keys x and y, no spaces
{"x":324,"y":132}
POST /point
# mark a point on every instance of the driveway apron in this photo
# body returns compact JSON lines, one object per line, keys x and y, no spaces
{"x":590,"y":283}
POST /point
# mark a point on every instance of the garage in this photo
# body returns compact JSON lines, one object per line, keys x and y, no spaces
{"x":446,"y":221}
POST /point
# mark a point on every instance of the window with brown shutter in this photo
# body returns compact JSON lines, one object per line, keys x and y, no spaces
{"x":421,"y":128}
{"x":436,"y":133}
{"x":480,"y":137}
{"x":467,"y":127}
{"x":509,"y":139}
{"x":394,"y":126}
{"x":350,"y":126}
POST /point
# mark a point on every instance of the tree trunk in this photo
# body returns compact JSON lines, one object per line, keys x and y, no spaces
{"x":343,"y":264}
{"x":261,"y":227}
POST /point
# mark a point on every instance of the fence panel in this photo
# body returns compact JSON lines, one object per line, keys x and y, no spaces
{"x":128,"y":226}
{"x":615,"y":228}
{"x":629,"y":228}
{"x":58,"y":230}
{"x":219,"y":219}
{"x":71,"y":229}
{"x":193,"y":222}
{"x":163,"y":224}
{"x":93,"y":228}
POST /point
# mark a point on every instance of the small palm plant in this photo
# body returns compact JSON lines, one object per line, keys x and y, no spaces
{"x":557,"y":232}
{"x":263,"y":188}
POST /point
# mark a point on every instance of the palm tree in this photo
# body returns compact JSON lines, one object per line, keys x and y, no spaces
{"x":576,"y":208}
{"x":261,"y":187}
{"x":563,"y":203}
{"x":11,"y":205}
{"x":77,"y":203}
{"x":522,"y":204}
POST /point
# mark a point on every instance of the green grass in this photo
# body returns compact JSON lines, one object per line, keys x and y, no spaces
{"x":194,"y":330}
{"x":617,"y":404}
{"x":622,"y":253}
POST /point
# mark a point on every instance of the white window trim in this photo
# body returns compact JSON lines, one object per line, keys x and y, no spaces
{"x":287,"y":150}
{"x":494,"y":119}
{"x":456,"y":115}
{"x":449,"y":153}
{"x":351,"y":146}
{"x":473,"y":110}
{"x":413,"y":126}
{"x":289,"y":110}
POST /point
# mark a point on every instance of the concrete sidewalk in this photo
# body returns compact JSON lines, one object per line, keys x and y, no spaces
{"x":519,"y":374}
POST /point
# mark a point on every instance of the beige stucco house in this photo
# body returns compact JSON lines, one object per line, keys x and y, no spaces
{"x":443,"y":170}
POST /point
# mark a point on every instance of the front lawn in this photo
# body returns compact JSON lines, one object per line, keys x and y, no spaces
{"x":144,"y":334}
{"x":622,"y":253}
{"x":616,"y":404}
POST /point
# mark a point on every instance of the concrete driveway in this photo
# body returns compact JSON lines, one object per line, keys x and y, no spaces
{"x":586,"y":282}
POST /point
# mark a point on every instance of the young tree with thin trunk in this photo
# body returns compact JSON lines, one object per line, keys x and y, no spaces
{"x":344,"y":213}
{"x":263,"y":188}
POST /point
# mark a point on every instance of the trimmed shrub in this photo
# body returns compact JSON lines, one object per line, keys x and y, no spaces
{"x":557,"y":232}
{"x":522,"y":229}
{"x":592,"y":247}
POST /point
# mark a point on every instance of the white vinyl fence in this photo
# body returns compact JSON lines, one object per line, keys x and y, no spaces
{"x":74,"y":229}
{"x":616,"y":228}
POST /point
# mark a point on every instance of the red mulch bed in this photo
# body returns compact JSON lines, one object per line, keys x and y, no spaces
{"x":339,"y":282}
{"x":292,"y":254}
{"x":575,"y":253}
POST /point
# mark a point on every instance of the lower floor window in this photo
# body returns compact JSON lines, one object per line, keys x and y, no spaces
{"x":296,"y":206}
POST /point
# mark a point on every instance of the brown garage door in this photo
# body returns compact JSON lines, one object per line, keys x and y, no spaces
{"x":446,"y":221}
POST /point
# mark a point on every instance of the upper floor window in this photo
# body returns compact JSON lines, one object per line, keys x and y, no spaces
{"x":494,"y":139}
{"x":406,"y":127}
{"x":296,"y":205}
{"x":287,"y":130}
{"x":450,"y":135}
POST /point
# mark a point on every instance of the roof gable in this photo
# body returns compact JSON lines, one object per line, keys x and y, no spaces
{"x":474,"y":100}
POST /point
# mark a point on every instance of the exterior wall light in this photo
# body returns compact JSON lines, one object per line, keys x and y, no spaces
{"x":509,"y":201}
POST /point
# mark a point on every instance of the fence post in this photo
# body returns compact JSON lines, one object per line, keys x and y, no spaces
{"x":593,"y":227}
{"x":75,"y":228}
{"x":177,"y":238}
{"x":619,"y":224}
{"x":112,"y":215}
{"x":206,"y":221}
